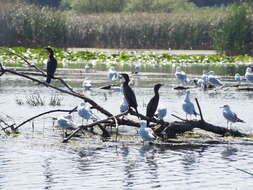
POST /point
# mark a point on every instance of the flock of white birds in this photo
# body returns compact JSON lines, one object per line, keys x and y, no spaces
{"x":146,"y":133}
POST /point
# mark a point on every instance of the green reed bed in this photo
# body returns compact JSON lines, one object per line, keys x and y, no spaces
{"x":37,"y":27}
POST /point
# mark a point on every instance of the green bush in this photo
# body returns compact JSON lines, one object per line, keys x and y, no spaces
{"x":234,"y":34}
{"x":94,"y":6}
{"x":158,"y":5}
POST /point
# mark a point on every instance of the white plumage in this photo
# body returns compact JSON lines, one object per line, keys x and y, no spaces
{"x":124,"y":105}
{"x":181,"y":76}
{"x":146,"y":133}
{"x":249,"y":74}
{"x":161,"y":112}
{"x":112,"y":73}
{"x":137,"y":69}
{"x":237,"y":77}
{"x":84,"y":111}
{"x":87,"y":84}
{"x":188,"y":106}
{"x":214,"y":79}
{"x":229,"y":115}
{"x":66,"y":122}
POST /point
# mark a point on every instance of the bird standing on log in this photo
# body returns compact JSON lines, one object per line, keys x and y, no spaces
{"x":51,"y":65}
{"x":129,"y":93}
{"x":153,"y":103}
{"x":230,"y":116}
{"x":188,"y":106}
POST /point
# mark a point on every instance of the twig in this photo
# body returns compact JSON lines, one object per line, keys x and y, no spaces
{"x":24,"y":59}
{"x":178,"y":117}
{"x":200,"y":112}
{"x":44,"y":113}
{"x":42,"y":73}
{"x":91,"y":125}
{"x":90,"y":101}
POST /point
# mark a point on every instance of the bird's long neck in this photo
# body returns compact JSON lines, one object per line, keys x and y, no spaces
{"x":126,"y":83}
{"x":51,"y":55}
{"x":156,"y":92}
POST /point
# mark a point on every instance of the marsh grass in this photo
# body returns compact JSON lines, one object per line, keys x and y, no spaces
{"x":37,"y":27}
{"x":35,"y":100}
{"x":55,"y":100}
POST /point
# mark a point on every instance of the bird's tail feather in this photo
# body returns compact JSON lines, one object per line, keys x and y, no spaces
{"x":239,"y":120}
{"x":137,"y":113}
{"x":195,"y":113}
{"x":48,"y":79}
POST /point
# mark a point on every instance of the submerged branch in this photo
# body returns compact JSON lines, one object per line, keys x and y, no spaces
{"x":93,"y":124}
{"x":44,"y":113}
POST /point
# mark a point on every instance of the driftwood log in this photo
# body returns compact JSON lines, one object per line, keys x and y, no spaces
{"x":161,"y":128}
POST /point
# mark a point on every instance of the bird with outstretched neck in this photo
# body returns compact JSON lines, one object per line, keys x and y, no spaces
{"x":153,"y":103}
{"x":51,"y":65}
{"x":129,"y":93}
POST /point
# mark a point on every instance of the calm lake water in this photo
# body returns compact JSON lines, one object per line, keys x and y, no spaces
{"x":36,"y":158}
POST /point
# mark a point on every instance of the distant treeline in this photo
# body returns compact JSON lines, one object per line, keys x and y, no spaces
{"x":32,"y":26}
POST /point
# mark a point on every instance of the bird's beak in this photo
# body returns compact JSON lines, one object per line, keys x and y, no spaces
{"x":222,"y":107}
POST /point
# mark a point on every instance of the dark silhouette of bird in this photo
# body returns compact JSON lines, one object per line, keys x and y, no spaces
{"x":153,"y":103}
{"x":129,"y":93}
{"x":51,"y":65}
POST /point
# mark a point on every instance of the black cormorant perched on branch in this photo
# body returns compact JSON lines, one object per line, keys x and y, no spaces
{"x":129,"y":93}
{"x":153,"y":103}
{"x":51,"y":65}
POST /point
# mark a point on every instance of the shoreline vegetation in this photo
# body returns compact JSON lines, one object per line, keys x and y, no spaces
{"x":28,"y":25}
{"x":193,"y":62}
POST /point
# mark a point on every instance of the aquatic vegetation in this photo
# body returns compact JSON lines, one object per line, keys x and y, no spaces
{"x":125,"y":60}
{"x":19,"y":101}
{"x":55,"y":100}
{"x":35,"y":100}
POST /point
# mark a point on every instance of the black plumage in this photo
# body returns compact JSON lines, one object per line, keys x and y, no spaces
{"x":51,"y":65}
{"x":129,"y":93}
{"x":153,"y":103}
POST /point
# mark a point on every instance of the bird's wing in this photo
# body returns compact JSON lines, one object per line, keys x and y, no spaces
{"x":151,"y":108}
{"x":249,"y":77}
{"x":181,"y":76}
{"x":214,"y":81}
{"x":230,"y":116}
{"x":51,"y":66}
{"x":189,"y":108}
{"x":130,"y":96}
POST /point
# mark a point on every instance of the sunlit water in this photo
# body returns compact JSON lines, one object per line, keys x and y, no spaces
{"x":36,"y":158}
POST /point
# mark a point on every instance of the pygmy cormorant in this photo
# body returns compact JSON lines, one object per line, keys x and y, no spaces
{"x":129,"y":93}
{"x":51,"y":65}
{"x":153,"y":103}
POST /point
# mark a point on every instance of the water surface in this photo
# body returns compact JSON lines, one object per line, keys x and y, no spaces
{"x":36,"y":158}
